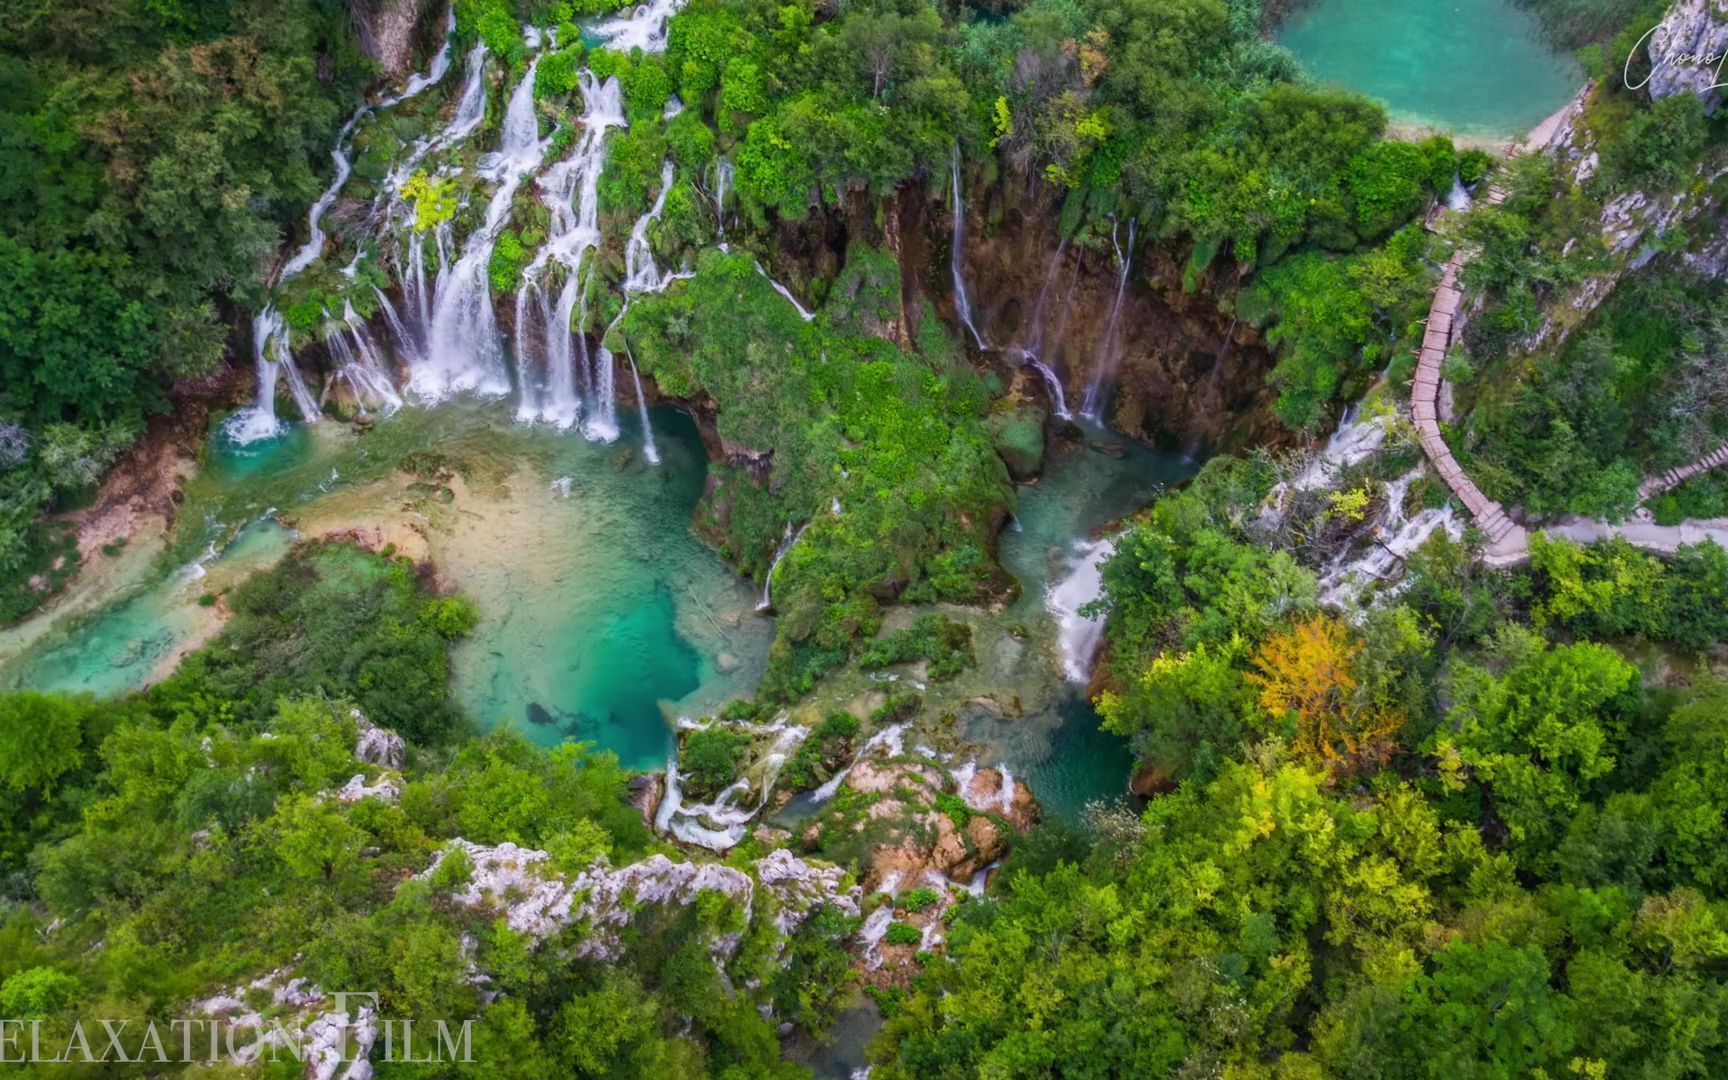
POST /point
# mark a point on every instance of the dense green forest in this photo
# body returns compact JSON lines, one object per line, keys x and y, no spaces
{"x":1455,"y":821}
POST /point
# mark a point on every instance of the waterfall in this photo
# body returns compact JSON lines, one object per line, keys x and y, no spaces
{"x":464,"y":350}
{"x":1354,"y":441}
{"x":786,"y":543}
{"x":1459,"y":197}
{"x":314,"y":245}
{"x":640,"y":273}
{"x":435,"y":71}
{"x":957,"y":249}
{"x":649,"y":450}
{"x":464,"y":121}
{"x":274,"y":358}
{"x":601,"y":423}
{"x":270,"y":341}
{"x":1078,"y":635}
{"x":803,"y":312}
{"x":727,"y":811}
{"x":1092,"y":405}
{"x":360,"y":363}
{"x":570,"y":191}
{"x":722,"y":177}
{"x":1395,"y":539}
{"x":1052,"y":385}
{"x":1030,"y":353}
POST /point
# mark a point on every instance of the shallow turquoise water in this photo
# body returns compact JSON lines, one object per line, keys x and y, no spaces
{"x":1477,"y":68}
{"x":601,"y":613}
{"x":1060,"y":750}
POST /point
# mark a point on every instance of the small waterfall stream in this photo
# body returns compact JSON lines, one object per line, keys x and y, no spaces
{"x":1035,"y":343}
{"x":957,"y":249}
{"x":1104,"y":369}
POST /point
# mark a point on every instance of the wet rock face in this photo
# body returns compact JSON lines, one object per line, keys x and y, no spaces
{"x":1186,"y":377}
{"x":1682,"y":48}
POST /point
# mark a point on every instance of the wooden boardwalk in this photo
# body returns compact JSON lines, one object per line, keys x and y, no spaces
{"x":1507,"y":540}
{"x":1657,"y":483}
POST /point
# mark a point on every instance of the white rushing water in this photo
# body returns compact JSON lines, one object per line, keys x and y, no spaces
{"x":272,"y":348}
{"x":721,"y":823}
{"x":957,"y":249}
{"x":722,"y":178}
{"x":649,"y":450}
{"x":464,"y":351}
{"x":1459,"y":197}
{"x":1078,"y":635}
{"x":786,"y":543}
{"x":570,"y":190}
{"x":803,"y":312}
{"x":1104,"y":368}
{"x":640,"y":273}
{"x":1395,"y":539}
{"x":1352,"y":442}
{"x":1031,"y":353}
{"x":361,"y":363}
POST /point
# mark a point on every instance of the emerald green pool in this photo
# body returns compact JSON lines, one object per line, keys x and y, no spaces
{"x":1480,"y":69}
{"x":601,"y":613}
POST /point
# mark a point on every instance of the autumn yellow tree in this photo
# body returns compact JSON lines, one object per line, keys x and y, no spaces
{"x":1306,"y":673}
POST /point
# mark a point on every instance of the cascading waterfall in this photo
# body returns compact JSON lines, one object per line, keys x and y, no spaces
{"x":1395,"y":538}
{"x":464,"y":350}
{"x":570,"y":190}
{"x":1092,"y":404}
{"x":1078,"y":634}
{"x":957,"y":249}
{"x":360,"y":363}
{"x":273,"y":358}
{"x":270,"y":340}
{"x":464,"y":121}
{"x":640,"y":273}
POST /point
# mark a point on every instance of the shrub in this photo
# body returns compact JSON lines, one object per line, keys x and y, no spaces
{"x":900,"y":933}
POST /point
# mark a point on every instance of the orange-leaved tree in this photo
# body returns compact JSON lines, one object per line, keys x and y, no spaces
{"x":1305,"y":673}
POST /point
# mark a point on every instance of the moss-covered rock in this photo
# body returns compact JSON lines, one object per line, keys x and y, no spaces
{"x":1018,"y":435}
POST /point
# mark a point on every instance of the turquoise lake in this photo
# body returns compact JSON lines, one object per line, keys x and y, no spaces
{"x":1479,"y":69}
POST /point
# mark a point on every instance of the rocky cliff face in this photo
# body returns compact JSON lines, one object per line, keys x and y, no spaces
{"x":1186,"y":377}
{"x":391,"y":30}
{"x":1685,"y":51}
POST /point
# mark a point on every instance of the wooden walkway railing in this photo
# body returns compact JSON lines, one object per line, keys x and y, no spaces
{"x":1507,"y":540}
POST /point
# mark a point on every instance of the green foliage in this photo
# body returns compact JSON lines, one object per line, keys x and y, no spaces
{"x":917,"y":899}
{"x":556,"y":74}
{"x":945,"y":644}
{"x":509,"y":259}
{"x":898,"y":439}
{"x":1330,"y":314}
{"x":433,"y":197}
{"x":332,"y":615}
{"x":711,"y":756}
{"x":1621,"y":399}
{"x":900,"y":933}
